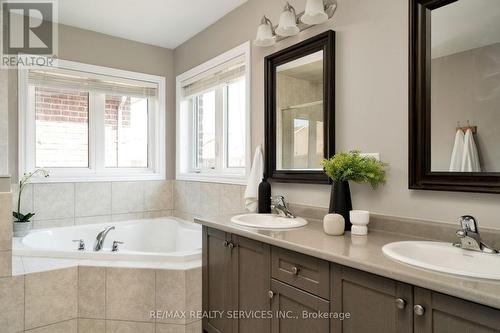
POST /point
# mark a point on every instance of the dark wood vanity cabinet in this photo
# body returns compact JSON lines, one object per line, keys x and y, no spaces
{"x":250,"y":283}
{"x":443,"y":313}
{"x":375,"y":303}
{"x":290,"y":303}
{"x":236,"y":277}
{"x":378,"y":304}
{"x":216,"y":279}
{"x":240,"y":274}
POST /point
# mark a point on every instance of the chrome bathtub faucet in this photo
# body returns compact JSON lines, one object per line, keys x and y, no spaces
{"x":81,"y":244}
{"x":101,"y":236}
{"x":280,"y":206}
{"x":469,"y":238}
{"x":114,"y":248}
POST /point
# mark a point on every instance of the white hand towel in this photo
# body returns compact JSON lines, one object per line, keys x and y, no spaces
{"x":458,"y":152}
{"x":470,"y":161}
{"x":254,"y":179}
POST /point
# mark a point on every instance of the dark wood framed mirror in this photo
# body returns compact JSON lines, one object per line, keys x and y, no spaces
{"x":300,"y":110}
{"x":454,"y":95}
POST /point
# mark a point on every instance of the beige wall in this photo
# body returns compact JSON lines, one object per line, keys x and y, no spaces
{"x":372,"y":101}
{"x":4,"y":124}
{"x":465,"y":86}
{"x":98,"y":49}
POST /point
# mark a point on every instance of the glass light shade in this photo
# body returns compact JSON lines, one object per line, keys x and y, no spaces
{"x":288,"y":24}
{"x":314,"y":13}
{"x":264,"y":35}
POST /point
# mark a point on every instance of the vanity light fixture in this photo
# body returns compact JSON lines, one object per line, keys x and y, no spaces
{"x":291,"y":23}
{"x":314,"y":13}
{"x":288,"y":22}
{"x":265,"y":33}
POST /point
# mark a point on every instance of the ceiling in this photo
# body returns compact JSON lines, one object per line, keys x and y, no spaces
{"x":165,"y":23}
{"x":464,"y":25}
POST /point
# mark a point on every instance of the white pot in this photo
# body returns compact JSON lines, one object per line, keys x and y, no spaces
{"x":21,"y":229}
{"x":359,"y":220}
{"x":334,"y":224}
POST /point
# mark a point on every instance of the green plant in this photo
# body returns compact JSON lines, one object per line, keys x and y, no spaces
{"x":21,"y":218}
{"x":352,"y":166}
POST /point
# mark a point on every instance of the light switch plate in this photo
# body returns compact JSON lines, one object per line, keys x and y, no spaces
{"x":374,"y":155}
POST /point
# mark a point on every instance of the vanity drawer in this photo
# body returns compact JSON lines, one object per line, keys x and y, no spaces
{"x":301,"y":271}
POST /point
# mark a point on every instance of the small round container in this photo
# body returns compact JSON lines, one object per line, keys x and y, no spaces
{"x":359,"y":220}
{"x":334,"y":224}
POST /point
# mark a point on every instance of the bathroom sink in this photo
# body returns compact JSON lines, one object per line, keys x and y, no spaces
{"x":445,"y":258}
{"x":268,"y":221}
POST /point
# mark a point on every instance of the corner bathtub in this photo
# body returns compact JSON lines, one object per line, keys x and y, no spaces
{"x":160,"y":240}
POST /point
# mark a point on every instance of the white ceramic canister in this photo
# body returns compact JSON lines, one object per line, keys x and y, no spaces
{"x":334,"y":224}
{"x":359,"y":220}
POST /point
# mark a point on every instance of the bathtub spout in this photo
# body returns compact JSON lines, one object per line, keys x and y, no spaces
{"x":101,"y":236}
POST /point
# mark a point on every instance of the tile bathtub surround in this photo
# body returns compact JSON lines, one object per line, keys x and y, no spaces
{"x":178,"y":290}
{"x":51,"y":297}
{"x":92,"y":292}
{"x":5,"y":221}
{"x":5,"y":263}
{"x":54,"y":201}
{"x":12,"y":304}
{"x":130,"y":294}
{"x":129,"y":327}
{"x":207,"y":199}
{"x":194,"y":327}
{"x":5,"y":234}
{"x":99,"y":300}
{"x":125,"y":303}
{"x":39,"y":302}
{"x":91,"y":325}
{"x":92,"y":199}
{"x":62,"y":204}
{"x":69,"y":326}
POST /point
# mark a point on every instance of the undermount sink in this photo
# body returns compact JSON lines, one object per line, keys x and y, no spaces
{"x":268,"y":221}
{"x":445,"y":258}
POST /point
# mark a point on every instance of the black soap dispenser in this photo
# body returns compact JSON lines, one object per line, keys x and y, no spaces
{"x":264,"y":197}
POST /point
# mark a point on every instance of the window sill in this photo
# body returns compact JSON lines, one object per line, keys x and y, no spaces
{"x":219,"y":178}
{"x":92,"y":179}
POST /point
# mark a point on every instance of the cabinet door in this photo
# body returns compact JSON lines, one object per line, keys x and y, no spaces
{"x":251,"y":280}
{"x":289,"y":305}
{"x":216,"y":260}
{"x":447,"y":314}
{"x":374,"y":303}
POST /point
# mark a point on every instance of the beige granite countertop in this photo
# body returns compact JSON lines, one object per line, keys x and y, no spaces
{"x":364,"y":253}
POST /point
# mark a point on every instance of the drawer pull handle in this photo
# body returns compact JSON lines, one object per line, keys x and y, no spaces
{"x":230,"y":246}
{"x":295,"y":270}
{"x":419,"y":310}
{"x":225,"y":243}
{"x":400,"y":303}
{"x":270,"y":293}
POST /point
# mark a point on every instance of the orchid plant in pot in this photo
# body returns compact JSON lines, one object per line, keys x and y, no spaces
{"x":351,"y":166}
{"x":22,"y":222}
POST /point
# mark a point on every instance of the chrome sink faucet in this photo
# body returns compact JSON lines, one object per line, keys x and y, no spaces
{"x":468,"y":236}
{"x":280,"y":206}
{"x":101,"y":236}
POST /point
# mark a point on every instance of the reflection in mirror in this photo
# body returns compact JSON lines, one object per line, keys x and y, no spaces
{"x":299,"y":113}
{"x":465,"y":87}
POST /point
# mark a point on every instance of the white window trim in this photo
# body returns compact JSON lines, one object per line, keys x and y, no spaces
{"x":156,"y":132}
{"x":217,"y":177}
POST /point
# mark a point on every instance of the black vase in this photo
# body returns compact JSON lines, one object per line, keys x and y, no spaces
{"x":340,"y":201}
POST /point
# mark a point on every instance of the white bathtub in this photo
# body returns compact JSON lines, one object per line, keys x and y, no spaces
{"x":165,"y":240}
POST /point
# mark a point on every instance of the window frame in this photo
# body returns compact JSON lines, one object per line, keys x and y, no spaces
{"x":223,"y":174}
{"x":96,"y":171}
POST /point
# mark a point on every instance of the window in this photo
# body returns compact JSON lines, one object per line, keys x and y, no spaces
{"x":213,"y":119}
{"x":84,"y":122}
